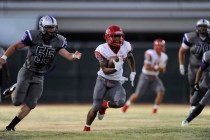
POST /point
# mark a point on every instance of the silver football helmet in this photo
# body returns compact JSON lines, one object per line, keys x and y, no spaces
{"x":48,"y":22}
{"x":202,"y":26}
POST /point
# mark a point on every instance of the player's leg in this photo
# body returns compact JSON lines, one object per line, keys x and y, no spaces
{"x":158,"y":87}
{"x":198,"y":95}
{"x":191,"y":79}
{"x":18,"y":97}
{"x":198,"y":109}
{"x":118,"y":96}
{"x":98,"y":95}
{"x":25,"y":91}
{"x":142,"y":85}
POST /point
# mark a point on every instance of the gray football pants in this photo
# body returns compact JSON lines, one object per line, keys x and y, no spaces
{"x":113,"y":88}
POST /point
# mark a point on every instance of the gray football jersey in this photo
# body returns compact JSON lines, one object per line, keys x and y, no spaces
{"x":40,"y":55}
{"x":197,"y":47}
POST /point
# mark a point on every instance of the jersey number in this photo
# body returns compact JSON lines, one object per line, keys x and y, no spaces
{"x":44,"y":54}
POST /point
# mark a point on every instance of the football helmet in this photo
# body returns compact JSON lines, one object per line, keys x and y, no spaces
{"x":112,"y":31}
{"x":48,"y":22}
{"x":159,"y":45}
{"x":202,"y":26}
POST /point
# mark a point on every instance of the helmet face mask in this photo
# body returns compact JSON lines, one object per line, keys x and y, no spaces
{"x":159,"y":45}
{"x":114,"y":36}
{"x":202,"y":27}
{"x":48,"y":26}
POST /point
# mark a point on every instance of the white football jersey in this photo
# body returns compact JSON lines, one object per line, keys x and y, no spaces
{"x":152,"y":58}
{"x":106,"y":52}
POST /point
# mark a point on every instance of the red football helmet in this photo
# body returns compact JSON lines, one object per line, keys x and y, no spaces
{"x":112,"y":31}
{"x":159,"y":45}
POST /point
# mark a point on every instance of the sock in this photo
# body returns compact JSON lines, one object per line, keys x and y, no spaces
{"x":14,"y":122}
{"x":195,"y":112}
{"x":105,"y":104}
{"x":128,"y":103}
{"x":155,"y":106}
{"x":87,"y":125}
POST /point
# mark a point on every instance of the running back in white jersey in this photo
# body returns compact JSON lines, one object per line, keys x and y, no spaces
{"x":106,"y":53}
{"x":152,"y":58}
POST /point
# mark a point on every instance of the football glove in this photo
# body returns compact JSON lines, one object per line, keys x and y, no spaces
{"x":123,"y":79}
{"x":182,"y":69}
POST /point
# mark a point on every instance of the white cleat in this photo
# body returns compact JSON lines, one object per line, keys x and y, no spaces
{"x":100,"y":116}
{"x":185,"y":123}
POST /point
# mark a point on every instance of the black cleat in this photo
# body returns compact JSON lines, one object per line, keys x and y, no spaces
{"x":9,"y":129}
{"x":8,"y":91}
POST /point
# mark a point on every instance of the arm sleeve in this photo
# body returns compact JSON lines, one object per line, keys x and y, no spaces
{"x":27,"y":39}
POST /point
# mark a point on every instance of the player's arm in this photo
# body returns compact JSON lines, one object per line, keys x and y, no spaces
{"x":131,"y":62}
{"x":12,"y":48}
{"x":70,"y":56}
{"x":104,"y":64}
{"x":204,"y":65}
{"x":106,"y":70}
{"x":181,"y":55}
{"x":148,"y":61}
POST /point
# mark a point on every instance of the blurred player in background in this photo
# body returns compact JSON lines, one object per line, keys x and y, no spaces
{"x":196,"y":43}
{"x":154,"y":63}
{"x":200,"y":98}
{"x":110,"y":79}
{"x":4,"y":72}
{"x":43,"y":45}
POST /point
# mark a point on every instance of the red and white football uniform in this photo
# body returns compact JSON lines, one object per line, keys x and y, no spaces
{"x":104,"y":52}
{"x":152,"y":58}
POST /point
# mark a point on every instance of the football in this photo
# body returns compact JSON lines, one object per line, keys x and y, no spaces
{"x":111,"y":63}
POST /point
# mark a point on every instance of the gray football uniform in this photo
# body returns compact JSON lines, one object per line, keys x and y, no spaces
{"x":38,"y":62}
{"x":197,"y":47}
{"x":205,"y":82}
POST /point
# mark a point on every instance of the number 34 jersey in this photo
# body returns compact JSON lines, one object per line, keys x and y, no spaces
{"x":40,"y":55}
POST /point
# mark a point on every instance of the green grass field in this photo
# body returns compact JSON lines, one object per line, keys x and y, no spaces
{"x":63,"y":122}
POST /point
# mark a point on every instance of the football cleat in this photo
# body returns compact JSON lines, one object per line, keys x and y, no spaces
{"x":101,"y":113}
{"x":124,"y":108}
{"x":86,"y":128}
{"x":154,"y":111}
{"x":9,"y":91}
{"x":185,"y":123}
{"x":9,"y":129}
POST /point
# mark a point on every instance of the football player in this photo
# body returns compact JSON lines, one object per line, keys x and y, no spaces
{"x":200,"y":98}
{"x":154,"y":63}
{"x":109,"y":79}
{"x":196,"y":43}
{"x":43,"y":45}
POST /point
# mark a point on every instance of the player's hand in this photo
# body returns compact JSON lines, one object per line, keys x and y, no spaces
{"x":123,"y":79}
{"x":196,"y":87}
{"x":77,"y":55}
{"x":182,"y":69}
{"x":132,"y":77}
{"x":118,"y":65}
